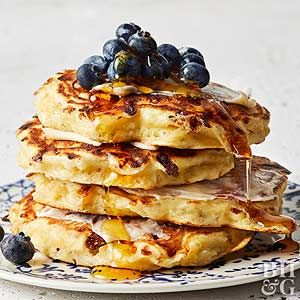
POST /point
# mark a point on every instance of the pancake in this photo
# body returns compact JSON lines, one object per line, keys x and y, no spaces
{"x":120,"y":164}
{"x":216,"y":203}
{"x":135,"y":243}
{"x":208,"y":118}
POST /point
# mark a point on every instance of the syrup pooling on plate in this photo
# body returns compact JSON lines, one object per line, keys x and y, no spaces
{"x":116,"y":274}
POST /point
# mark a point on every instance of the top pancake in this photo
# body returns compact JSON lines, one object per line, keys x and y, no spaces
{"x":173,"y":120}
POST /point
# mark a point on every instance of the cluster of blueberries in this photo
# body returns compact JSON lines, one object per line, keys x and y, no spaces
{"x":134,"y":53}
{"x":17,"y":248}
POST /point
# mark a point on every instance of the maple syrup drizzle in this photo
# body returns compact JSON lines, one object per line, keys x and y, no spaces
{"x":116,"y":274}
{"x":287,"y":244}
{"x":248,"y":179}
{"x":240,"y":149}
{"x":268,"y":220}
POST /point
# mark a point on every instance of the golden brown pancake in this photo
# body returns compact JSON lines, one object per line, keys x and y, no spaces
{"x":204,"y":120}
{"x":134,"y":243}
{"x":210,"y":203}
{"x":119,"y":164}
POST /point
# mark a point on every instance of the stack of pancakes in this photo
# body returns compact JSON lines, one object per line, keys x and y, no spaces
{"x":145,"y":181}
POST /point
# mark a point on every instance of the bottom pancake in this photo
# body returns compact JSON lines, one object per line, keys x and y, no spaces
{"x":133,"y":243}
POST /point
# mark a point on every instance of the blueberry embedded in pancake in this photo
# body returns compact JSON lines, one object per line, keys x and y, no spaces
{"x":119,"y":164}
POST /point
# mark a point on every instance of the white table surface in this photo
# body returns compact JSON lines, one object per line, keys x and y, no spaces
{"x":246,"y":44}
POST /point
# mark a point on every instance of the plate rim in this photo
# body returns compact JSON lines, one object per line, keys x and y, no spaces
{"x":109,"y":287}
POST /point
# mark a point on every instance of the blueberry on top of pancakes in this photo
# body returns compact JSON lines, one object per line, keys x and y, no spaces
{"x":99,"y":61}
{"x":124,"y":64}
{"x":134,"y":56}
{"x":171,"y":53}
{"x":126,"y":30}
{"x":89,"y":75}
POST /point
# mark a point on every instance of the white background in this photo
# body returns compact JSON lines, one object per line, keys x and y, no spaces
{"x":246,"y":44}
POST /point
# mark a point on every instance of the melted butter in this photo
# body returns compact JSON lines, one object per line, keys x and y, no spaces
{"x":145,"y":90}
{"x":228,"y":95}
{"x":61,"y":135}
{"x":109,"y":229}
{"x":109,"y":273}
{"x":144,"y":146}
{"x":115,"y":229}
{"x":117,"y":88}
{"x":265,"y":177}
{"x":142,"y":227}
{"x":171,"y":86}
{"x":125,"y":90}
{"x":165,"y":87}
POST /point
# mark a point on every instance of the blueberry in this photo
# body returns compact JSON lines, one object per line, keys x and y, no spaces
{"x":195,"y":72}
{"x":157,"y":66}
{"x":99,"y":61}
{"x":192,"y":57}
{"x":18,"y":248}
{"x":153,"y":71}
{"x":1,"y":233}
{"x":186,"y":50}
{"x":163,"y":61}
{"x":142,"y":43}
{"x":171,"y":54}
{"x":112,"y":47}
{"x":125,"y":64}
{"x":126,"y":30}
{"x":89,"y":75}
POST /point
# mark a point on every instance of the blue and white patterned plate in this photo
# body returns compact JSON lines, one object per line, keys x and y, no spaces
{"x":251,"y":264}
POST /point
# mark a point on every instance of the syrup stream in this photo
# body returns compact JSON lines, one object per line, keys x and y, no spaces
{"x":287,"y":244}
{"x":248,"y":178}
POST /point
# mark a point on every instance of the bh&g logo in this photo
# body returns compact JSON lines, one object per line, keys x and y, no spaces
{"x":285,"y":285}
